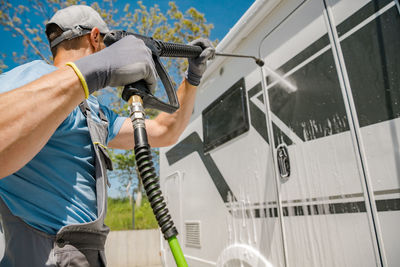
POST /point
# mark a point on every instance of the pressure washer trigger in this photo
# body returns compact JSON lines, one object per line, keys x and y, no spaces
{"x":149,"y":100}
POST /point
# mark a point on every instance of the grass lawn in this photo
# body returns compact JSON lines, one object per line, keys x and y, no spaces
{"x":119,"y":215}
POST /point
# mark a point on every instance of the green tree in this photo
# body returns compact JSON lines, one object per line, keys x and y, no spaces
{"x":124,"y":169}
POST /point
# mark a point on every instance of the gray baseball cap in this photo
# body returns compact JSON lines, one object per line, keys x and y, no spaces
{"x":76,"y":21}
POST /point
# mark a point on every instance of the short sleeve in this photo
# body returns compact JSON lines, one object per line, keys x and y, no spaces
{"x":114,"y":122}
{"x":24,"y":74}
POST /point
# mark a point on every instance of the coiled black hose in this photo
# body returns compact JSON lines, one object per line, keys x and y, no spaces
{"x":151,"y":183}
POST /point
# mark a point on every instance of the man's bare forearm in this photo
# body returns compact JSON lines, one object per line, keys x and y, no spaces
{"x":31,"y":114}
{"x":172,"y":125}
{"x":166,"y":128}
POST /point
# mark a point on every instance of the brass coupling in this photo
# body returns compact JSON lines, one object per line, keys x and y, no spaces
{"x":137,"y":113}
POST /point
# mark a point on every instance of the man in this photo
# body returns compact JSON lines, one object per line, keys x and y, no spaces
{"x":52,"y":157}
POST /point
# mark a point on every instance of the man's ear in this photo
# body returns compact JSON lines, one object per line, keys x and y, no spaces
{"x":95,"y":40}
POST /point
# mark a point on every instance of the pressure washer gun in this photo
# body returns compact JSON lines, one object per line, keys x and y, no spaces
{"x":158,"y":49}
{"x":140,"y":97}
{"x":162,"y":49}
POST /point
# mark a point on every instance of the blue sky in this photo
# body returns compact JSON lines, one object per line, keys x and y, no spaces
{"x":222,"y":13}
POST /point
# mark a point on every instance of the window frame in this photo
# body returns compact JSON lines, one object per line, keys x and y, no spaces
{"x":241,"y":128}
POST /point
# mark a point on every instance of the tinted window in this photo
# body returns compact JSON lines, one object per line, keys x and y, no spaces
{"x":372,"y":61}
{"x":226,"y":117}
{"x":316,"y":109}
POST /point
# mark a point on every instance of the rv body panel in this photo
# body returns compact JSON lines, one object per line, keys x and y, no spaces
{"x":368,"y":35}
{"x":324,"y":191}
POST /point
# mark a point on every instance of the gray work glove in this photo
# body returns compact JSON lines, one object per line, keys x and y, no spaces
{"x":197,"y":66}
{"x":124,"y":62}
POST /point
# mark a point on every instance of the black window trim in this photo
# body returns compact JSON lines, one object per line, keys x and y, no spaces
{"x":240,"y":129}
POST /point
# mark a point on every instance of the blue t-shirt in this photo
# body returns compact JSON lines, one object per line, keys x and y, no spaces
{"x":57,"y":187}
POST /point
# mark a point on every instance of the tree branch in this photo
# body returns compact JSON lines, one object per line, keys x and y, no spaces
{"x":37,"y":51}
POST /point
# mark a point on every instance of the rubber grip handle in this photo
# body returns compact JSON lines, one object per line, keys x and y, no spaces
{"x":179,"y":50}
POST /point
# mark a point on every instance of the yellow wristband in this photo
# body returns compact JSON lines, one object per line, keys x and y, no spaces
{"x":81,"y":78}
{"x":100,"y":144}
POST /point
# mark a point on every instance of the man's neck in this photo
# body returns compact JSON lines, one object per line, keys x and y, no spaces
{"x":65,"y":56}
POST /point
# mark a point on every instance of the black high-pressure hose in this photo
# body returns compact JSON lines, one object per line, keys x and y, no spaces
{"x":149,"y":178}
{"x":146,"y":170}
{"x":151,"y":183}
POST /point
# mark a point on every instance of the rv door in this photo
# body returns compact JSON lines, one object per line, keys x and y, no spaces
{"x":331,"y":92}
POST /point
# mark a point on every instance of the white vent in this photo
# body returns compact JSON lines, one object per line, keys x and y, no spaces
{"x":192,"y":238}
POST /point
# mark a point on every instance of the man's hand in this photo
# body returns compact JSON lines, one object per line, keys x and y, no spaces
{"x":126,"y":61}
{"x":197,"y":66}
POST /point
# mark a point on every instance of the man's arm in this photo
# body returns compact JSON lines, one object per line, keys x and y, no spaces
{"x":166,"y":128}
{"x":31,"y":114}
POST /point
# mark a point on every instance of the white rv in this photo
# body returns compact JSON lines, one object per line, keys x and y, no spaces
{"x":296,"y":163}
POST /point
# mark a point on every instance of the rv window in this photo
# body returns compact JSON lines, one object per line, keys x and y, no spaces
{"x":374,"y":79}
{"x":226,"y":117}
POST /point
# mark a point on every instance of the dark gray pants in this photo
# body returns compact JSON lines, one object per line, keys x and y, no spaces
{"x":35,"y":248}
